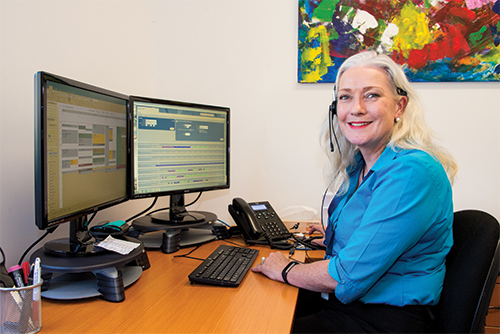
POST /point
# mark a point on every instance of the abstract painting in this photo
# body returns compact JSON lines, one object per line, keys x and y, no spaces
{"x":433,"y":40}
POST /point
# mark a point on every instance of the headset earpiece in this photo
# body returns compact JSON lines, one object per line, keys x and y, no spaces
{"x":333,"y":109}
{"x":333,"y":105}
{"x":332,"y":113}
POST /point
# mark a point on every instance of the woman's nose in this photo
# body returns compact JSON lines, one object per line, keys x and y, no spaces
{"x":358,"y":107}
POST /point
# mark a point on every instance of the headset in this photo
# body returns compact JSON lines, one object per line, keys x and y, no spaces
{"x":331,"y":129}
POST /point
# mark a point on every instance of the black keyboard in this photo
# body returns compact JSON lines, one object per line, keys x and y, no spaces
{"x":226,"y":266}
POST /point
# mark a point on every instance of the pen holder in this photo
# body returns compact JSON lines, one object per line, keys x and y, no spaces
{"x":21,"y":309}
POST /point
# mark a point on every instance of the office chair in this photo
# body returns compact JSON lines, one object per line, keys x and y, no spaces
{"x":472,"y":267}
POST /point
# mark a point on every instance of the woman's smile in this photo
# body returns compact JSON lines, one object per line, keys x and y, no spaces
{"x":359,"y":124}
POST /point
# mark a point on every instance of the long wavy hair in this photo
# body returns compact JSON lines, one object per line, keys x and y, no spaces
{"x":410,"y":132}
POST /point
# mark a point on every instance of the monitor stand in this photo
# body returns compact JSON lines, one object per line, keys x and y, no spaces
{"x":179,"y":227}
{"x":171,"y":237}
{"x":188,"y":237}
{"x":75,"y":277}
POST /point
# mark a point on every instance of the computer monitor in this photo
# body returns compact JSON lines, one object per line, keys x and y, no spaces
{"x":177,"y":148}
{"x":80,"y":157}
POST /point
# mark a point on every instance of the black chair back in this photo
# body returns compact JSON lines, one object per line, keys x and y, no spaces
{"x":472,"y":267}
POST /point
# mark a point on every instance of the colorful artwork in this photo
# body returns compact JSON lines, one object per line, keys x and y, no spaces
{"x":434,"y":40}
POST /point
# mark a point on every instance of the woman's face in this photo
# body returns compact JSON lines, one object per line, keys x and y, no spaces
{"x":367,"y":109}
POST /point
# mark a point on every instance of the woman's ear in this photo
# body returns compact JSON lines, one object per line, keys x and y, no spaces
{"x":402,"y":103}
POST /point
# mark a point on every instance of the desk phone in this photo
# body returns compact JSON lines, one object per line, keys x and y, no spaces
{"x":259,"y":223}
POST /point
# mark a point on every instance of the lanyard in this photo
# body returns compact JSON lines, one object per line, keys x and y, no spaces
{"x":332,"y":224}
{"x":330,"y":228}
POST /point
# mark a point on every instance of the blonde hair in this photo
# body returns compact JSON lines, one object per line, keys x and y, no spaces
{"x":410,"y":132}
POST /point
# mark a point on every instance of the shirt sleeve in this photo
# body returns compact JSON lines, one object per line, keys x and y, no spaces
{"x":401,"y":202}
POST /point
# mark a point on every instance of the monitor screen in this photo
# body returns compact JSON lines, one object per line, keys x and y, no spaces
{"x":80,"y":150}
{"x":178,"y":148}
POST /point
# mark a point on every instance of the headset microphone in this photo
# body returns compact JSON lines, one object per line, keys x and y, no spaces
{"x":333,"y":113}
{"x":330,"y":123}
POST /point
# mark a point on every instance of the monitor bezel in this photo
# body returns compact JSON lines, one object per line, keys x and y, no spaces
{"x":40,"y":151}
{"x":132,"y":166}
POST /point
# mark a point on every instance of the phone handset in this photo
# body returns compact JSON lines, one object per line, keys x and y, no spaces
{"x":259,"y":223}
{"x":245,"y":219}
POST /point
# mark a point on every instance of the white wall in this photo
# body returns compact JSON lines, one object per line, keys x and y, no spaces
{"x":236,"y":53}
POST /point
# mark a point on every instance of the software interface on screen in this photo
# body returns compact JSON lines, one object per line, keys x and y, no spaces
{"x":177,"y":148}
{"x":86,"y":149}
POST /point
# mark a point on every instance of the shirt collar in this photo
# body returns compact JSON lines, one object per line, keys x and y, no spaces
{"x":387,"y":155}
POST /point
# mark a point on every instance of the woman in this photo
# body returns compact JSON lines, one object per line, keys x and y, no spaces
{"x":390,"y":222}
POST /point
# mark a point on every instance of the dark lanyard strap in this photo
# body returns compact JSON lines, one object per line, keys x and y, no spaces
{"x":330,"y":228}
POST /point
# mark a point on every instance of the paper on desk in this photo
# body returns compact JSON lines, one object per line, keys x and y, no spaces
{"x":119,"y":246}
{"x":300,"y":212}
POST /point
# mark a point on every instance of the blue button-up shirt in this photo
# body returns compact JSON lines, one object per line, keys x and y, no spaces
{"x":389,"y":238}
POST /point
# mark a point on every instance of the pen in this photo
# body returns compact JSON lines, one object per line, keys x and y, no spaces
{"x":26,"y":271}
{"x":37,"y":272}
{"x":16,"y":272}
{"x":36,"y":275}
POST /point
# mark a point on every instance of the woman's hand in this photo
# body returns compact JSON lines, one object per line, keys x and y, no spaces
{"x":317,"y":228}
{"x":272,"y":266}
{"x":312,"y":276}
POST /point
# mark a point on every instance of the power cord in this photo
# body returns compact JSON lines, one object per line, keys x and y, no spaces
{"x":87,"y":223}
{"x":47,"y":232}
{"x":235,"y":244}
{"x":198,"y":246}
{"x":144,"y":211}
{"x":190,"y":257}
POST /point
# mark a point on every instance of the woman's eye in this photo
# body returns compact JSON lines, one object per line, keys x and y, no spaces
{"x":372,"y":95}
{"x":343,"y":97}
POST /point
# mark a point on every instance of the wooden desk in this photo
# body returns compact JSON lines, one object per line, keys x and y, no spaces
{"x":163,"y":301}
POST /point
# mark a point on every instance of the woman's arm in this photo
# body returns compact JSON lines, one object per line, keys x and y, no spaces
{"x":311,"y":276}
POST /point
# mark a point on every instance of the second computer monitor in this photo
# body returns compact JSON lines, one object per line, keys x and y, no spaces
{"x":178,"y":148}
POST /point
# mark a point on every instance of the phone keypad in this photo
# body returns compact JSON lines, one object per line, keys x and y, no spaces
{"x":269,"y":221}
{"x":273,"y":229}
